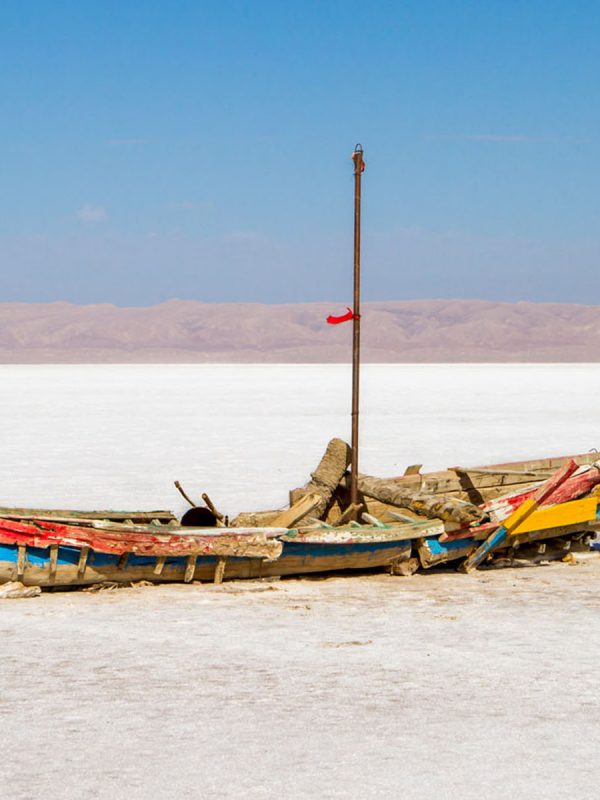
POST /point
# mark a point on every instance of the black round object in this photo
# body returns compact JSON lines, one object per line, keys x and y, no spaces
{"x":199,"y":517}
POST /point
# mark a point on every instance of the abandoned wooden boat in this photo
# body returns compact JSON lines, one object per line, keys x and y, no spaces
{"x":48,"y":553}
{"x":67,"y":548}
{"x":44,"y":553}
{"x":477,"y":485}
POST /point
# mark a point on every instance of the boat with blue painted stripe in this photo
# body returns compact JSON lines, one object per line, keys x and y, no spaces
{"x":62,"y":548}
{"x":47,"y":554}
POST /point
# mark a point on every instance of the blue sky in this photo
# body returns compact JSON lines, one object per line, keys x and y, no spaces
{"x":201,"y":150}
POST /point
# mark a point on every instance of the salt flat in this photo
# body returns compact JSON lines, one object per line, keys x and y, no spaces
{"x":119,"y":435}
{"x":435,"y":686}
{"x":440,"y":685}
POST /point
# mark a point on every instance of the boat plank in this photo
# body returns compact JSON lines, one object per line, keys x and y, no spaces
{"x":21,"y":559}
{"x":116,"y":516}
{"x":519,"y":515}
{"x":298,"y":558}
{"x":82,"y":563}
{"x":220,"y":570}
{"x":253,"y":543}
{"x":190,"y":568}
{"x":301,"y":508}
{"x":447,"y":481}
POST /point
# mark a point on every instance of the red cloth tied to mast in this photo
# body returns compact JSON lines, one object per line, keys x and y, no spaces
{"x":344,"y":318}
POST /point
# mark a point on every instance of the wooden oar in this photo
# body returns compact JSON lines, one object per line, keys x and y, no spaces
{"x":518,"y":516}
{"x":182,"y":492}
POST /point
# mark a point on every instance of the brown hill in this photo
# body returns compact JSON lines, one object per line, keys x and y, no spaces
{"x":190,"y":331}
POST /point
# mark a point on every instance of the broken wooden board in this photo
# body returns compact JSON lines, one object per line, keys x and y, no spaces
{"x":429,"y":505}
{"x":544,"y":518}
{"x":560,"y":515}
{"x":250,"y":543}
{"x":301,"y":508}
{"x":254,"y":519}
{"x":497,"y":539}
{"x":433,"y":552}
{"x":353,"y":535}
{"x":326,"y":477}
{"x":116,"y":516}
{"x":579,"y":530}
{"x":576,"y":486}
{"x":487,"y":484}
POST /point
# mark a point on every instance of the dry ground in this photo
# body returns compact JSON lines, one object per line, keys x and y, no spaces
{"x":436,"y":686}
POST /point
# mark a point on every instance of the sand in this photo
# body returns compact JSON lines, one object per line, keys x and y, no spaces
{"x":436,"y":686}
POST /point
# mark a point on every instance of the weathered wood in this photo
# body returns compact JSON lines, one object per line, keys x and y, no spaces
{"x":429,"y":505}
{"x":574,"y":487}
{"x":401,"y":517}
{"x":306,"y":506}
{"x":476,"y":488}
{"x":210,"y":505}
{"x":145,"y":541}
{"x":571,"y":531}
{"x":296,"y":494}
{"x":353,"y":533}
{"x":329,"y":472}
{"x":497,"y":471}
{"x":413,"y":469}
{"x":386,"y":511}
{"x":545,"y":491}
{"x":433,"y":552}
{"x":350,"y":513}
{"x":184,"y":494}
{"x":543,"y":518}
{"x":255,"y":519}
{"x":371,"y":520}
{"x":405,"y":567}
{"x":571,"y":513}
{"x":554,"y":550}
{"x":297,"y":560}
{"x":220,"y":570}
{"x":21,"y":556}
{"x":160,"y":565}
{"x":518,"y":517}
{"x":472,"y":493}
{"x":82,"y":563}
{"x":92,"y":522}
{"x":14,"y":590}
{"x":551,"y":464}
{"x":448,"y":481}
{"x":116,"y":516}
{"x":123,"y":561}
{"x":53,"y":562}
{"x":313,"y":522}
{"x":190,"y":568}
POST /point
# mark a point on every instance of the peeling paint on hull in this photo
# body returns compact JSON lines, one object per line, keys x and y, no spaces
{"x":297,"y":558}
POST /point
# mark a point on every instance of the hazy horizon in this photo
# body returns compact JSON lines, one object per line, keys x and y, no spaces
{"x":329,"y":303}
{"x":463,"y":331}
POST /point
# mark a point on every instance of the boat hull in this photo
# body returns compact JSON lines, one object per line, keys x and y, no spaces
{"x":297,"y":558}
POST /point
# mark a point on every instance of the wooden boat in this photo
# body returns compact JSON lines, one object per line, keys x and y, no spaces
{"x":476,"y":485}
{"x":44,"y":553}
{"x":64,"y":548}
{"x":50,"y":553}
{"x":39,"y":553}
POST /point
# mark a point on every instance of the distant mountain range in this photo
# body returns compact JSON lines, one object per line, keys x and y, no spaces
{"x":396,"y":331}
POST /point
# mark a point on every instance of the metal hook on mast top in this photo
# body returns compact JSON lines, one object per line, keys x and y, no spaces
{"x":357,"y":157}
